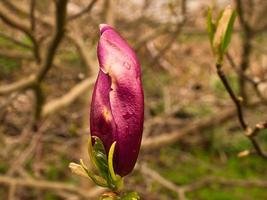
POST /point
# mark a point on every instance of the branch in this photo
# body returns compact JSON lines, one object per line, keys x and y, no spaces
{"x":196,"y":185}
{"x":71,"y":96}
{"x":14,"y":23}
{"x":41,"y":184}
{"x":161,"y":180}
{"x":249,"y":132}
{"x":82,"y":12}
{"x":19,"y":85}
{"x":61,"y":6}
{"x":17,"y":42}
{"x":236,"y":100}
{"x":168,"y":138}
{"x":32,"y":15}
{"x":14,"y":54}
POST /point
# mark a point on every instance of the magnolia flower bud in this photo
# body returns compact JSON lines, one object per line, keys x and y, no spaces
{"x":222,"y":27}
{"x":117,"y":108}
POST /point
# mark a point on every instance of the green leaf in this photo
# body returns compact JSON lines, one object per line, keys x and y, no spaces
{"x":211,"y":26}
{"x":97,"y":179}
{"x":100,"y":158}
{"x":227,"y":37}
{"x":130,"y":196}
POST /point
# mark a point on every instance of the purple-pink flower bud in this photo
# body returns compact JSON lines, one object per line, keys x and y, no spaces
{"x":117,"y":108}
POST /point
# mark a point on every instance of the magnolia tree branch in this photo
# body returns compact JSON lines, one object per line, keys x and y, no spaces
{"x":249,"y":132}
{"x":156,"y":142}
{"x":18,"y":25}
{"x":14,"y":54}
{"x":32,"y":15}
{"x":42,"y":184}
{"x":181,"y":190}
{"x":15,"y":41}
{"x":19,"y":85}
{"x":61,"y":7}
{"x":246,"y":48}
{"x":254,"y":83}
{"x":83,"y":11}
{"x":68,"y":98}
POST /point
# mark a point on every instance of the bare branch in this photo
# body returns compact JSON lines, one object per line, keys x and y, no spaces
{"x":32,"y":15}
{"x":161,"y":180}
{"x":172,"y":137}
{"x":19,"y":85}
{"x":61,"y":6}
{"x":72,"y":95}
{"x":84,"y":11}
{"x":12,"y":39}
{"x":14,"y":54}
{"x":42,"y":184}
{"x":236,"y":100}
{"x":249,"y":132}
{"x":14,"y":23}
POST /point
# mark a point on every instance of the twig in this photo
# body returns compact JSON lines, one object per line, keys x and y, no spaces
{"x":14,"y":54}
{"x":72,"y":95}
{"x":254,"y":83}
{"x":61,"y":6}
{"x":196,"y":185}
{"x":232,"y":95}
{"x":14,"y":23}
{"x":246,"y":48}
{"x":42,"y":184}
{"x":12,"y":39}
{"x":161,"y":180}
{"x":19,"y":85}
{"x":249,"y":132}
{"x":156,"y":142}
{"x":82,"y":12}
{"x":32,"y":15}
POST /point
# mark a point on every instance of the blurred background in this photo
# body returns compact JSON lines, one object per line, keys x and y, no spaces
{"x":193,"y":146}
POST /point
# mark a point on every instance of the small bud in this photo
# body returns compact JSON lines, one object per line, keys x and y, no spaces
{"x":77,"y":169}
{"x":248,"y":131}
{"x":222,"y":27}
{"x":243,"y":153}
{"x":220,"y":32}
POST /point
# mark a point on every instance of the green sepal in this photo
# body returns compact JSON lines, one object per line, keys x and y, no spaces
{"x":116,"y":179}
{"x":105,"y":175}
{"x":100,"y":157}
{"x":82,"y":170}
{"x":95,"y":178}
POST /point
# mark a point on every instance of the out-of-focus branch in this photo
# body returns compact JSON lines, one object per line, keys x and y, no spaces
{"x":181,"y":190}
{"x":14,"y":23}
{"x":83,"y":51}
{"x":82,"y":12}
{"x":161,"y":180}
{"x":72,"y":95}
{"x":32,"y":15}
{"x":254,"y":83}
{"x":246,"y":48}
{"x":42,"y":184}
{"x":58,"y":34}
{"x":15,"y":41}
{"x":14,"y":54}
{"x":172,"y":137}
{"x":174,"y":35}
{"x":19,"y":85}
{"x":249,"y":132}
{"x":236,"y":100}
